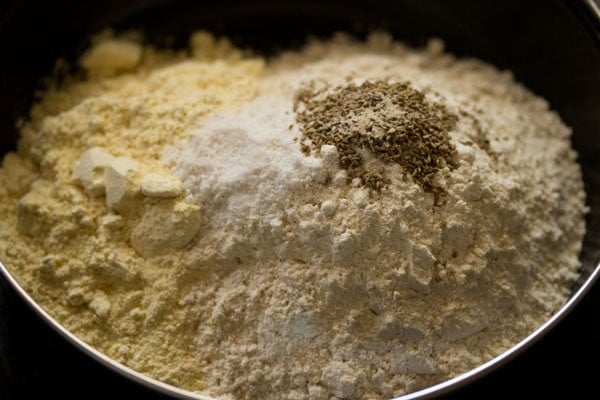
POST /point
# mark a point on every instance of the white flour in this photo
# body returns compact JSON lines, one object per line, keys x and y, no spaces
{"x":329,"y":290}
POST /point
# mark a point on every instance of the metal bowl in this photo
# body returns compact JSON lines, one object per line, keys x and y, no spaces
{"x":563,"y":65}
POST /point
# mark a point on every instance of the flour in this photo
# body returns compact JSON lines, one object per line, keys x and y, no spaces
{"x":77,"y":226}
{"x":211,"y":244}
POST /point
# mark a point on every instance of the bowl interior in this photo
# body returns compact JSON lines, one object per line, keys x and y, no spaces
{"x":562,"y":65}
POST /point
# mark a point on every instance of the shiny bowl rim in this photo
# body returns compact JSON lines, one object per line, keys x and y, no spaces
{"x":426,"y":393}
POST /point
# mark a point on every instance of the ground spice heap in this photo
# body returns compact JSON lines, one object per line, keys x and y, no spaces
{"x":392,"y":121}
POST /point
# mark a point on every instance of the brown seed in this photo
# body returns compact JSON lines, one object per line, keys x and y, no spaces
{"x":391,"y":120}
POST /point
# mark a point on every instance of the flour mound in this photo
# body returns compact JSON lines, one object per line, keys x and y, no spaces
{"x":323,"y":288}
{"x":187,"y":214}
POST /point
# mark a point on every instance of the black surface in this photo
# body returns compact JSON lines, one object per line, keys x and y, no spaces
{"x":542,"y":41}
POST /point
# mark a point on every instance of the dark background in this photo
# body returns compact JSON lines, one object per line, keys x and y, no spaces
{"x":36,"y":363}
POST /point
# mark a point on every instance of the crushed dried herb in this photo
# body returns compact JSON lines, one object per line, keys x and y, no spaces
{"x":392,"y":121}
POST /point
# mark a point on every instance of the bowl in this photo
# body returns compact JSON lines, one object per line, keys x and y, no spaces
{"x":562,"y":65}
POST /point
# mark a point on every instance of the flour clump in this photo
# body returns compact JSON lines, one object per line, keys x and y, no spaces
{"x":353,"y":220}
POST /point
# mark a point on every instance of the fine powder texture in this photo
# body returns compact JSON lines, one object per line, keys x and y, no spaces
{"x":190,"y":217}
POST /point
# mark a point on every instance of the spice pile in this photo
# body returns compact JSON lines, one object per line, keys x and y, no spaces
{"x":392,"y":121}
{"x":354,"y":220}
